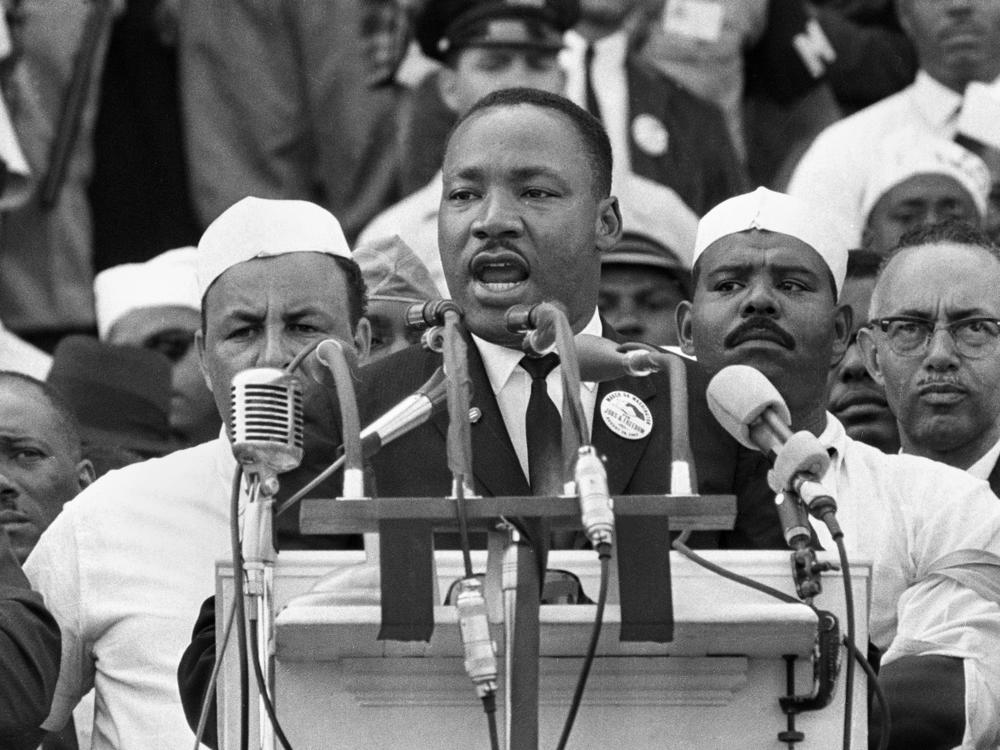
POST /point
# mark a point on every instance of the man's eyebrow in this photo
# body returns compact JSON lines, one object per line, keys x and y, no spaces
{"x":952,"y":315}
{"x":794,"y":268}
{"x":729,"y":268}
{"x":473,"y":173}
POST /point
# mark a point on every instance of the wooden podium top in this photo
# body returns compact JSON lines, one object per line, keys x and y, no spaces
{"x":337,"y":516}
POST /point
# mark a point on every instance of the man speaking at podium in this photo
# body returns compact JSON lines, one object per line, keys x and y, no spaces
{"x":767,"y":273}
{"x":525,"y":215}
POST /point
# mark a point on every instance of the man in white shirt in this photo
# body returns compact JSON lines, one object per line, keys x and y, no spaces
{"x":126,"y":565}
{"x":956,"y":45}
{"x":934,"y":344}
{"x":767,"y":279}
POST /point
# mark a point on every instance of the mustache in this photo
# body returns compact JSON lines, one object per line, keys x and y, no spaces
{"x":751,"y":328}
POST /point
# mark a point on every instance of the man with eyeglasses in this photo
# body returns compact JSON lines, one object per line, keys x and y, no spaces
{"x":933,"y":342}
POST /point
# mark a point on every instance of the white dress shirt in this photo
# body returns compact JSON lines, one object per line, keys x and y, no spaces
{"x":511,"y":385}
{"x":610,"y":83}
{"x":933,"y":534}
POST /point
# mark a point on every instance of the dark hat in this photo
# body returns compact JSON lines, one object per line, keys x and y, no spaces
{"x":120,"y":394}
{"x":446,"y":25}
{"x":639,"y":249}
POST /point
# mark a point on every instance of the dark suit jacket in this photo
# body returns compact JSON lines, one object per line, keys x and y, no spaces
{"x":415,"y":465}
{"x":994,"y":479}
{"x":700,"y":163}
{"x":29,"y":656}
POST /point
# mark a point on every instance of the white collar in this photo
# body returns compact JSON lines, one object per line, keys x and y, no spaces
{"x":935,"y":101}
{"x":982,"y":468}
{"x":501,"y":362}
{"x":613,"y":47}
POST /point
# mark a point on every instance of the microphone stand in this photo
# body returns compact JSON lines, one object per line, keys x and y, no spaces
{"x":258,"y":586}
{"x":480,"y":654}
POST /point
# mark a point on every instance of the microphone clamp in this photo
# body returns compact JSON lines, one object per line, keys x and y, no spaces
{"x":432,"y":313}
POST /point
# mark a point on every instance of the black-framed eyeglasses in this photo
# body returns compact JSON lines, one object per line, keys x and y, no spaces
{"x":974,"y":338}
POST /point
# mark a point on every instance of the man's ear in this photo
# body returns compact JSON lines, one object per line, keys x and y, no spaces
{"x":85,"y":473}
{"x":363,"y":339}
{"x":869,"y":353}
{"x":609,"y":224}
{"x":199,"y":342}
{"x":683,"y":317}
{"x":843,"y":324}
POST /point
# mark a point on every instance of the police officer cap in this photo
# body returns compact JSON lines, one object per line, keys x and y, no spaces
{"x":447,"y":25}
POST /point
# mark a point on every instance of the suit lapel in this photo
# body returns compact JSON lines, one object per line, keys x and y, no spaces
{"x":494,"y":463}
{"x":621,"y":453}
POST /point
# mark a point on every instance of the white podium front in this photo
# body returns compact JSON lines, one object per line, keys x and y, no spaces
{"x":715,"y":686}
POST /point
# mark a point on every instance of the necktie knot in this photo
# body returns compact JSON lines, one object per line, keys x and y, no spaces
{"x":540,"y":367}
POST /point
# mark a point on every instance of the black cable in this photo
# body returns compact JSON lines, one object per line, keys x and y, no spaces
{"x":490,"y":707}
{"x":262,"y":688}
{"x":241,"y":632}
{"x":681,"y":547}
{"x":604,"y":552}
{"x":885,"y":720}
{"x":849,"y":604}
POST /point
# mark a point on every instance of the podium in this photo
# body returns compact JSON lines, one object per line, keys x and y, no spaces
{"x":716,"y":685}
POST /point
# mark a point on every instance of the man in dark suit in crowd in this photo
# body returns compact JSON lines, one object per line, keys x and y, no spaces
{"x":29,"y":656}
{"x":658,"y":129}
{"x":943,"y":389}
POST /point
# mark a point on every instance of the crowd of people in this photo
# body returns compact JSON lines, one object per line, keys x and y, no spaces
{"x":194,"y":188}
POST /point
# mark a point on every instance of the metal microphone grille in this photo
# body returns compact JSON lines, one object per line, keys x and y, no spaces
{"x":267,"y":419}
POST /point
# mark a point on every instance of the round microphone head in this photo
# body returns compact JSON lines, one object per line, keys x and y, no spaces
{"x":738,"y":395}
{"x":324,"y":355}
{"x":267,"y":419}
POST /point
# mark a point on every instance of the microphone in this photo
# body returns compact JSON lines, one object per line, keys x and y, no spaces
{"x":537,"y":322}
{"x":267,"y":422}
{"x":409,"y":413}
{"x":340,"y":360}
{"x":596,"y":512}
{"x":602,"y":359}
{"x":750,"y":409}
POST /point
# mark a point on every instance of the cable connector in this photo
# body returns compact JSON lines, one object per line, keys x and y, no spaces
{"x":596,"y":511}
{"x":480,"y":652}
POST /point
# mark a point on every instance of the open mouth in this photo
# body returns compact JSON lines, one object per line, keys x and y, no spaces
{"x":499,"y":271}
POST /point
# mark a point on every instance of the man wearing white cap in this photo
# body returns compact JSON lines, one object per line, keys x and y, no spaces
{"x":156,"y":305}
{"x":922,"y":180}
{"x":125,"y":568}
{"x":956,"y":45}
{"x":767,"y":277}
